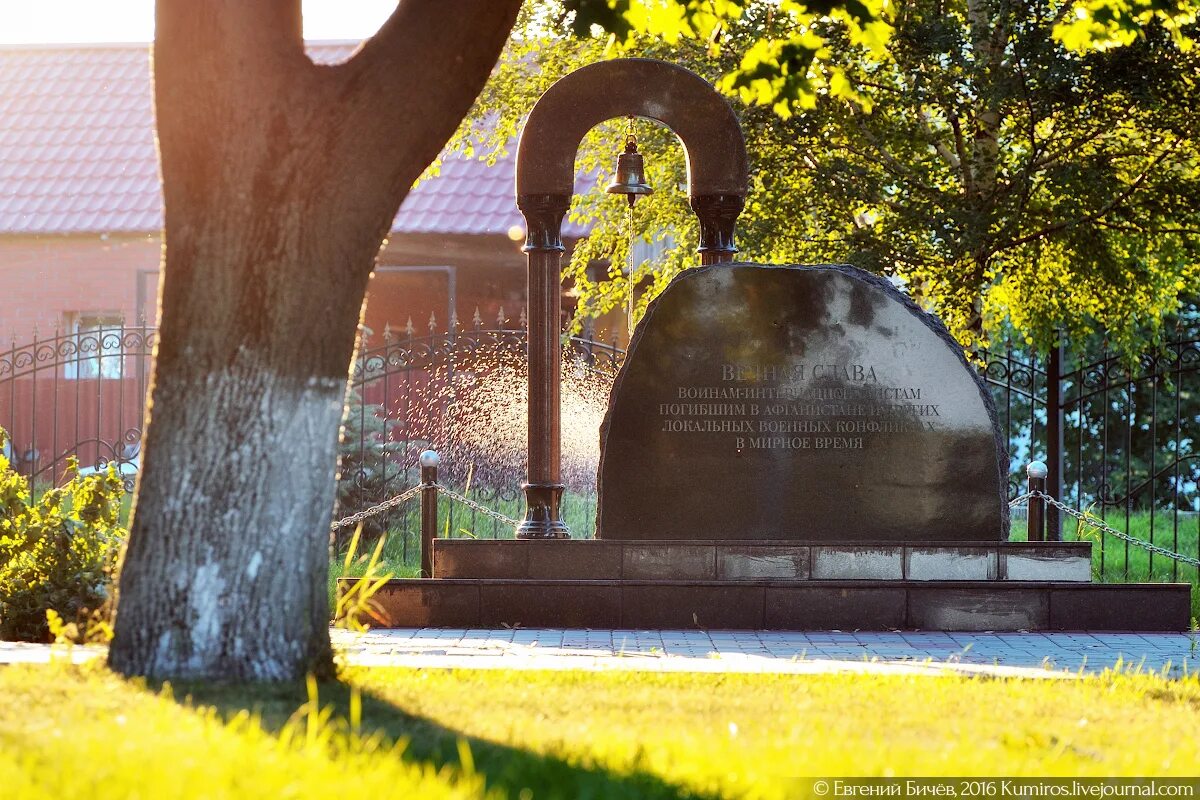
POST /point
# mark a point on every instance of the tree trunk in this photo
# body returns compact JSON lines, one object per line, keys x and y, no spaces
{"x":281,"y":179}
{"x":988,"y":24}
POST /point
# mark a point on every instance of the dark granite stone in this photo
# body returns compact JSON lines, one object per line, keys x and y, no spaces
{"x":995,"y":607}
{"x":669,"y":562}
{"x":756,"y":562}
{"x":559,"y":604}
{"x":424,"y":603}
{"x":480,"y":558}
{"x":782,"y":605}
{"x":580,"y":559}
{"x":841,"y":607}
{"x":1121,"y":608}
{"x":699,"y":605}
{"x":811,"y":403}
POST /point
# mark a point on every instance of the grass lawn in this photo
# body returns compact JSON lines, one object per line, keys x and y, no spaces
{"x":82,"y":732}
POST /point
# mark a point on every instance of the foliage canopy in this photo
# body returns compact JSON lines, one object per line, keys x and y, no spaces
{"x":789,"y":64}
{"x":1006,"y":179}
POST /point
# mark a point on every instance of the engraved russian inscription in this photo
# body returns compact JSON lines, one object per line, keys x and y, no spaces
{"x":790,"y":400}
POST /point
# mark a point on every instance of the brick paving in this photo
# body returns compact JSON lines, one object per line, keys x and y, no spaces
{"x":1035,"y":655}
{"x":1022,"y":654}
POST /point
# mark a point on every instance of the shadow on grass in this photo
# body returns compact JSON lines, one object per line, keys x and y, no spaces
{"x":512,"y":771}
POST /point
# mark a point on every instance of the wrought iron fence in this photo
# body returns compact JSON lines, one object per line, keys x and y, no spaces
{"x":1119,"y":439}
{"x":76,"y":395}
{"x":463,"y":393}
{"x":81,"y":394}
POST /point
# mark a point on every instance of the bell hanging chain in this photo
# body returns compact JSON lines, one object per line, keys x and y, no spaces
{"x":630,"y":144}
{"x":629,"y":272}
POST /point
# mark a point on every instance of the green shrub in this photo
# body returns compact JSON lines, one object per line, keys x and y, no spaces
{"x":56,"y":554}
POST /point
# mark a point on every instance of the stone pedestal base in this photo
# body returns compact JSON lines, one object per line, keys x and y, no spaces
{"x":784,"y":605}
{"x":1006,"y":586}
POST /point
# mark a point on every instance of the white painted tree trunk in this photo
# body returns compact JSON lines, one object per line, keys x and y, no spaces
{"x":280,"y":180}
{"x":229,"y":580}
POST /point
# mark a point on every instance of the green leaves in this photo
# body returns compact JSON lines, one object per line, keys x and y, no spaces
{"x":777,"y":73}
{"x":589,"y":16}
{"x":1104,"y":24}
{"x":1007,"y":182}
{"x":803,"y":46}
{"x":785,"y":69}
{"x":56,"y":554}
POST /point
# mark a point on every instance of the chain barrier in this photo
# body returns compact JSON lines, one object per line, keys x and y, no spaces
{"x":469,"y":503}
{"x":407,"y":495}
{"x":1093,"y":522}
{"x":378,"y":508}
{"x":1019,"y":500}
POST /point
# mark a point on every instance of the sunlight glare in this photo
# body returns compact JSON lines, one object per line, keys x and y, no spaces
{"x":63,"y":21}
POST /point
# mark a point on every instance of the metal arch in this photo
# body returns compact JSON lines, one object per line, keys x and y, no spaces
{"x":717,"y":168}
{"x":712,"y":139}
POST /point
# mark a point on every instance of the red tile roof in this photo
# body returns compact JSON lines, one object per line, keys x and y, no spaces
{"x":77,"y":152}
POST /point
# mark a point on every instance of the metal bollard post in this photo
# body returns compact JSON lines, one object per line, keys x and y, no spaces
{"x":429,"y":509}
{"x":1036,"y":521}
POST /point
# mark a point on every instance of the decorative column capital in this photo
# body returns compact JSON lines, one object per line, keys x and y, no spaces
{"x":718,"y":215}
{"x":543,"y":220}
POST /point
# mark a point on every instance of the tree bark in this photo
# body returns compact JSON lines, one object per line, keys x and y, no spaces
{"x":280,"y":181}
{"x":988,"y":22}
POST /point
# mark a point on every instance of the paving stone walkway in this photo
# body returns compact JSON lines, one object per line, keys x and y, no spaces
{"x":1034,"y":655}
{"x":1023,"y":654}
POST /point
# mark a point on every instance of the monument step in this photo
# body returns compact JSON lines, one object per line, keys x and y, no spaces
{"x":783,"y":605}
{"x":740,"y":560}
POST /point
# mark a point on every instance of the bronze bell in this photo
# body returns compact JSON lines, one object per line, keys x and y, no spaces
{"x":630,"y":179}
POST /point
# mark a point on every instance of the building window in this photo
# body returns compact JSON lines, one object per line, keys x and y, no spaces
{"x":97,"y":340}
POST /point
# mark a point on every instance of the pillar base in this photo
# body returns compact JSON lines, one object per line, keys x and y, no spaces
{"x":543,"y":519}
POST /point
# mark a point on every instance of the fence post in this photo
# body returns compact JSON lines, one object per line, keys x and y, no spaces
{"x":1036,"y":505}
{"x":1054,"y":436}
{"x":429,"y":509}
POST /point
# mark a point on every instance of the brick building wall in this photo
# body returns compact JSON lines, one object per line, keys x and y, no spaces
{"x":47,"y":281}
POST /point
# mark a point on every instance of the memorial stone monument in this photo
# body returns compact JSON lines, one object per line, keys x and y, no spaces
{"x":786,"y":447}
{"x":791,"y":402}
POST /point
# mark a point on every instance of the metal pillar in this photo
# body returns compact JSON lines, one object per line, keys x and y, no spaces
{"x":429,"y":509}
{"x":1054,"y":438}
{"x":1036,"y":522}
{"x":544,"y":249}
{"x":718,"y":215}
{"x":718,"y":170}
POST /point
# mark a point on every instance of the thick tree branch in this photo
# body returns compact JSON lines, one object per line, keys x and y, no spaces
{"x":988,"y":35}
{"x":196,"y":42}
{"x":213,"y":63}
{"x":945,"y":152}
{"x":960,"y":147}
{"x":401,"y":97}
{"x":1099,"y":213}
